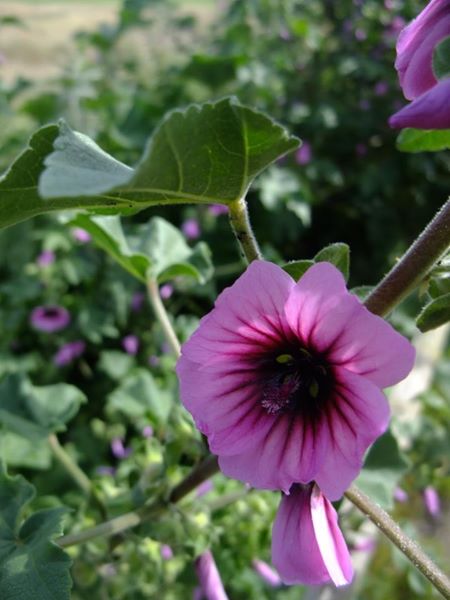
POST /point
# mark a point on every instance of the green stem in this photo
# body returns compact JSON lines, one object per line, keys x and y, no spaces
{"x":80,"y":478}
{"x":162,"y":316}
{"x":414,"y":265}
{"x":405,"y":544}
{"x":241,"y":227}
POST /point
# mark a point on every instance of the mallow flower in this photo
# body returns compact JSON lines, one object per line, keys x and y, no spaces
{"x":284,"y":378}
{"x":49,"y":318}
{"x":307,"y":544}
{"x":429,"y":111}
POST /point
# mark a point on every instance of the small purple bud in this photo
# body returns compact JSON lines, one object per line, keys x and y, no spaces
{"x":400,"y":495}
{"x":204,"y":488}
{"x":69,"y":352}
{"x":137,"y":301}
{"x":267,"y":573}
{"x":166,"y":552}
{"x":147,"y":431}
{"x":49,"y":318}
{"x":81,"y":235}
{"x":130,"y":344}
{"x":105,"y":470}
{"x":191,"y":229}
{"x":45,"y":258}
{"x":166,"y":291}
{"x":381,"y":88}
{"x":209,"y":578}
{"x":217,"y":209}
{"x":365,"y":545}
{"x":118,"y":449}
{"x":304,"y":154}
{"x":432,"y":501}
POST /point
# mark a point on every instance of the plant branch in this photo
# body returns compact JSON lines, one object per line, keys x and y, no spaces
{"x":406,"y":545}
{"x":162,"y":316}
{"x":414,"y":265}
{"x":242,"y":229}
{"x":79,"y":477}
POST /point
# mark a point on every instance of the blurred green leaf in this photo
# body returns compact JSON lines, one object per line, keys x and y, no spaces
{"x":423,"y":140}
{"x":434,"y":314}
{"x":383,"y":468}
{"x":157,"y":249}
{"x":208,"y":154}
{"x":338,"y":254}
{"x":297,"y":268}
{"x":18,"y":451}
{"x":441,"y":59}
{"x":35,"y":412}
{"x":32,"y":567}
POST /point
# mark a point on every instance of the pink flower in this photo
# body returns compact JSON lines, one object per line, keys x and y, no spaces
{"x":69,"y":352}
{"x":432,"y":501}
{"x":166,"y":552}
{"x":191,"y":229}
{"x":118,"y":449}
{"x":303,"y":155}
{"x":429,"y":111}
{"x":209,"y":578}
{"x":284,"y":378}
{"x":81,"y":235}
{"x":49,"y":318}
{"x":137,"y":301}
{"x":267,"y":573}
{"x":400,"y":495}
{"x":45,"y":258}
{"x":415,"y":48}
{"x":307,"y":544}
{"x":217,"y":209}
{"x":130,"y":344}
{"x":166,"y":291}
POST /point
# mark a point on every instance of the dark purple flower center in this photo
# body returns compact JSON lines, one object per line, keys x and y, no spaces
{"x":297,"y":381}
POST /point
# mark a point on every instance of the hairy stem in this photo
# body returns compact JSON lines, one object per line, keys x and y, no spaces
{"x":413,"y":266}
{"x":79,"y":477}
{"x":242,"y":229}
{"x":162,"y":316}
{"x":405,"y":544}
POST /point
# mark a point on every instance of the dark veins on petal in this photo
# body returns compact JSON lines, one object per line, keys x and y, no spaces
{"x":295,"y":381}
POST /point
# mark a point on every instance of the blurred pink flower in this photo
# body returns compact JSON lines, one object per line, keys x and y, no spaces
{"x":166,"y":291}
{"x":69,"y":352}
{"x":45,"y":258}
{"x":267,"y":573}
{"x":49,"y":318}
{"x":361,"y":149}
{"x":204,"y":488}
{"x":166,"y":552}
{"x":81,"y":235}
{"x":285,"y":378}
{"x":400,"y":495}
{"x":217,"y":209}
{"x":307,"y":544}
{"x":118,"y":449}
{"x":191,"y":229}
{"x":209,"y":578}
{"x":303,"y":155}
{"x":147,"y":431}
{"x":381,"y":88}
{"x":130,"y":344}
{"x":432,"y":501}
{"x":137,"y":301}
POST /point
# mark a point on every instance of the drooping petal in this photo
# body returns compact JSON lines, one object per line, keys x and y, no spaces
{"x":307,"y":545}
{"x":358,"y":415}
{"x":429,"y":111}
{"x":209,"y":578}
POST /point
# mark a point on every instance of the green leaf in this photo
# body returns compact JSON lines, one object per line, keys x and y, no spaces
{"x":297,"y":268}
{"x":18,"y":451}
{"x":156,"y":249}
{"x":441,"y":59}
{"x":32,"y":566}
{"x":207,"y":154}
{"x":434,"y":314}
{"x":423,"y":140}
{"x":338,"y":254}
{"x":383,"y":468}
{"x":35,"y":412}
{"x":139,"y":396}
{"x":19,"y":197}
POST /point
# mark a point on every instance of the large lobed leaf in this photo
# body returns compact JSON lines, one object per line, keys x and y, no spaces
{"x":205,"y":154}
{"x":32,"y":567}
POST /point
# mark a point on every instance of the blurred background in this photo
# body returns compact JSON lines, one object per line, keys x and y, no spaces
{"x":112,"y":70}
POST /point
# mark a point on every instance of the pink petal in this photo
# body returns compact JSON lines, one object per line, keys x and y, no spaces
{"x":209,"y":577}
{"x":297,"y":553}
{"x":360,"y":414}
{"x":429,"y":111}
{"x":290,"y":452}
{"x":321,"y":289}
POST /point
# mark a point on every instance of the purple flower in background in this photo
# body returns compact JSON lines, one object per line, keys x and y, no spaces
{"x":432,"y":501}
{"x":364,"y":104}
{"x":209,"y":578}
{"x":147,"y":431}
{"x":81,"y":235}
{"x":45,"y":258}
{"x":267,"y":573}
{"x":307,"y":544}
{"x":285,"y":378}
{"x":166,"y":552}
{"x":105,"y":470}
{"x":137,"y":301}
{"x":191,"y":229}
{"x":217,"y":209}
{"x":166,"y":291}
{"x":165,"y":348}
{"x":49,"y":318}
{"x":130,"y":344}
{"x":381,"y":88}
{"x":118,"y":449}
{"x":429,"y":111}
{"x":154,"y":361}
{"x":361,"y":149}
{"x":360,"y":34}
{"x":365,"y":545}
{"x":304,"y":154}
{"x":400,"y":495}
{"x":204,"y":488}
{"x":69,"y":352}
{"x":388,"y":4}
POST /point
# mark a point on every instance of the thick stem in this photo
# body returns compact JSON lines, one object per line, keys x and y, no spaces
{"x":162,"y":316}
{"x":405,"y":544}
{"x":241,"y":227}
{"x":198,"y":475}
{"x":413,"y":266}
{"x":79,"y":477}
